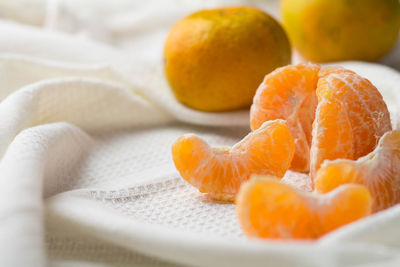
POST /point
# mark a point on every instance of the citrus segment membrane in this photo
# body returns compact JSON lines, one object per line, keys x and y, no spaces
{"x":268,"y":208}
{"x":379,"y":171}
{"x":289,"y":93}
{"x":219,"y":172}
{"x":332,"y":112}
{"x":363,"y":109}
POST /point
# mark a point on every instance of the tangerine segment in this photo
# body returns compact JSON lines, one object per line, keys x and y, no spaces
{"x":379,"y":171}
{"x":332,"y":134}
{"x":365,"y":107}
{"x":289,"y":93}
{"x":268,"y":208}
{"x":220,"y":171}
{"x":325,"y":71}
{"x":361,"y":105}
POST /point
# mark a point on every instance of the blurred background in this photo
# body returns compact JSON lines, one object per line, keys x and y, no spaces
{"x":138,"y":28}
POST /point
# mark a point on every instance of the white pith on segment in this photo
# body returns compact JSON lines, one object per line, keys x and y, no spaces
{"x":229,"y":167}
{"x":379,"y":171}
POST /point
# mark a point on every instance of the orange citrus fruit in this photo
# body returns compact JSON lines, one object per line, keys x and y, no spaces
{"x":220,"y":171}
{"x":289,"y":93}
{"x":268,"y":208}
{"x":325,"y":30}
{"x":331,"y":112}
{"x":350,"y":118}
{"x":379,"y":171}
{"x":214,"y":59}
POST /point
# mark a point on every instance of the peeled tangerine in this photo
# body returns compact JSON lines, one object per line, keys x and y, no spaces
{"x":331,"y":112}
{"x":289,"y":93}
{"x":379,"y":171}
{"x":268,"y":208}
{"x":220,"y":171}
{"x":350,"y":118}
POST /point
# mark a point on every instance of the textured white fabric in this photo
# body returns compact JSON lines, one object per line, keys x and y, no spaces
{"x":86,"y":125}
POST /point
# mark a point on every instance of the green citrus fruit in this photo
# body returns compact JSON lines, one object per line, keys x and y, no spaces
{"x":326,"y":30}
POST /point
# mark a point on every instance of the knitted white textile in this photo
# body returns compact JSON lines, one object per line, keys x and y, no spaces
{"x":86,"y":125}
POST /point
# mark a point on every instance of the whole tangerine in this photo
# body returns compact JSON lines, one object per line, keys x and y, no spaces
{"x":216,"y":58}
{"x":325,"y":30}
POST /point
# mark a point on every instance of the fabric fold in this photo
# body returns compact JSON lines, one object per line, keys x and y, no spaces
{"x":86,"y":123}
{"x":28,"y":161}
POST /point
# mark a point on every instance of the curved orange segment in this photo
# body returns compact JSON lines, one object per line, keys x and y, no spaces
{"x":268,"y":208}
{"x":379,"y":171}
{"x":351,"y":116}
{"x":332,"y":135}
{"x":342,"y":206}
{"x":220,"y":171}
{"x":366,"y":110}
{"x":289,"y":93}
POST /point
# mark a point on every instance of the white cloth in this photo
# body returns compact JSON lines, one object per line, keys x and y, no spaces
{"x":86,"y":124}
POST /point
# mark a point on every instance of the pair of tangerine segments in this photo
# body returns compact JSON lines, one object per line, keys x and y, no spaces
{"x":345,"y":191}
{"x":329,"y":113}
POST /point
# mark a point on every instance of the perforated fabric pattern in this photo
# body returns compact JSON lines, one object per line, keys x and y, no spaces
{"x":123,"y":157}
{"x":175,"y":204}
{"x":71,"y":249}
{"x":122,"y":162}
